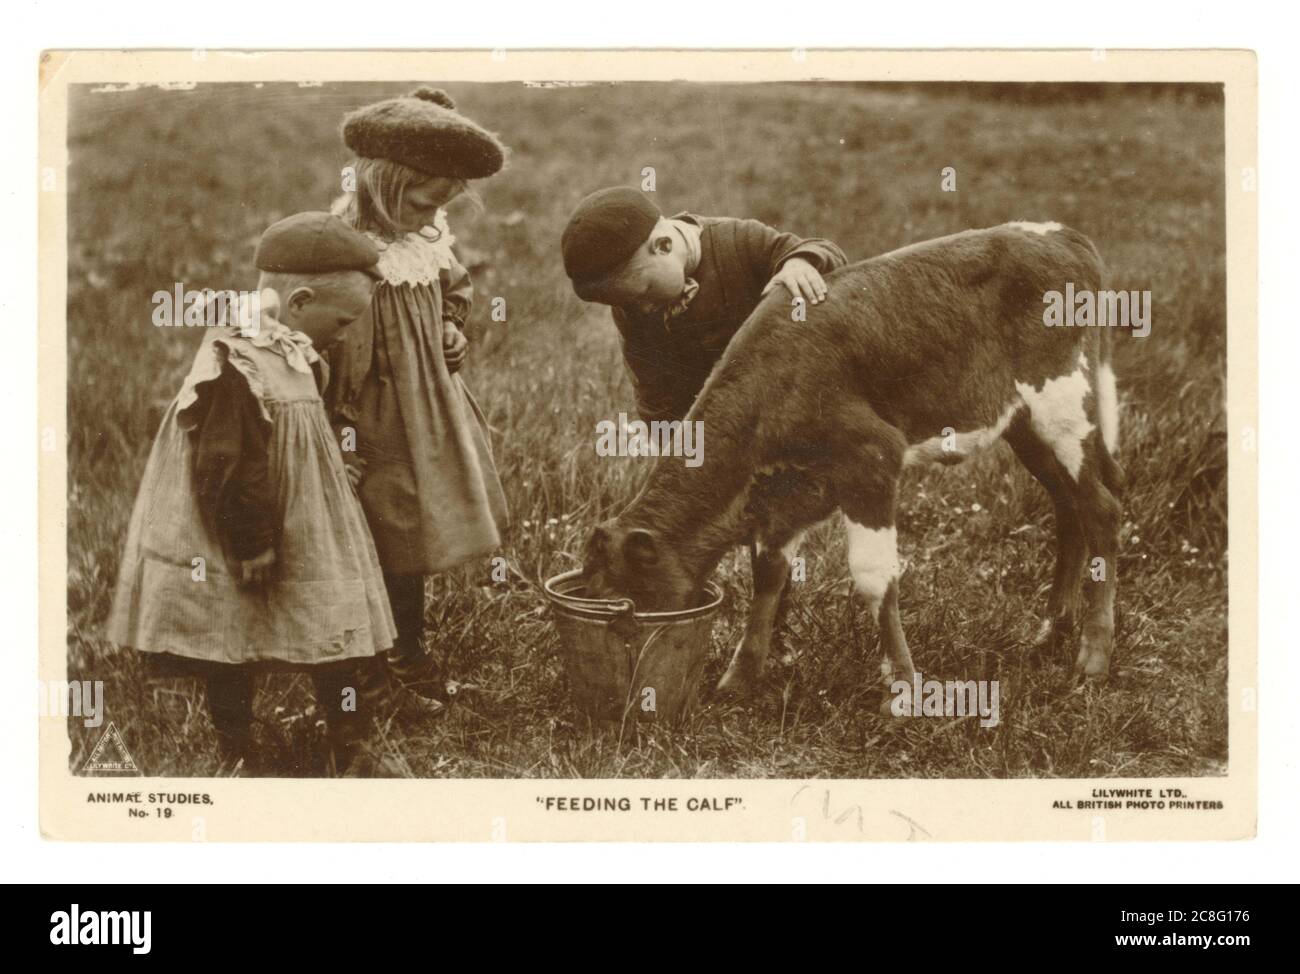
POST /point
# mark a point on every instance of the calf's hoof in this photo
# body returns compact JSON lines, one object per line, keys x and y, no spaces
{"x":887,"y":708}
{"x":895,"y":704}
{"x":738,"y":681}
{"x":1091,"y":671}
{"x":1093,"y":661}
{"x":1050,"y":638}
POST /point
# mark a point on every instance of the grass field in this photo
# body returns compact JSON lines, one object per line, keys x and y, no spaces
{"x":169,"y":186}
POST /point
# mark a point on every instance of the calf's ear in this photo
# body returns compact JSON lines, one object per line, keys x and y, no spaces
{"x":641,"y":548}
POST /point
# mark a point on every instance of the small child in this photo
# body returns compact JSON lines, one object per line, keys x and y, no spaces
{"x":247,"y":548}
{"x":680,"y":287}
{"x":423,"y":456}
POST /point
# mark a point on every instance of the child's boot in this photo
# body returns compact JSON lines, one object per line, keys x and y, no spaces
{"x":413,"y":668}
{"x":384,"y":694}
{"x":352,"y":743}
{"x":230,"y":702}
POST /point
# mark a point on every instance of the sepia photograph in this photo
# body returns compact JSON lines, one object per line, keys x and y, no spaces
{"x":800,"y":429}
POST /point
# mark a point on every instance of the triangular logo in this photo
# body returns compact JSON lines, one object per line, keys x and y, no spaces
{"x":110,"y":755}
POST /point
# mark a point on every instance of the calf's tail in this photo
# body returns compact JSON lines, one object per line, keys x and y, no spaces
{"x":1108,"y":416}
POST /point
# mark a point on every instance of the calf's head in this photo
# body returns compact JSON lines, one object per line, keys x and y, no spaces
{"x":634,"y":563}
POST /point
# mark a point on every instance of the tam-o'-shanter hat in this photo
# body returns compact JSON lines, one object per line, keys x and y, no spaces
{"x":315,"y":243}
{"x":606,"y":229}
{"x":424,"y":131}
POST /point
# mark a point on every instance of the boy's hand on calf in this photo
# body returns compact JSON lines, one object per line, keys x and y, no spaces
{"x":256,"y":572}
{"x":801,"y":279}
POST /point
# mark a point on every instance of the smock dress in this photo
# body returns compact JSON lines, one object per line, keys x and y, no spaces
{"x":430,"y":488}
{"x":175,"y":592}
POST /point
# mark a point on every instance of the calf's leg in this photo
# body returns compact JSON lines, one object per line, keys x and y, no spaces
{"x":771,"y":568}
{"x":874,"y":567}
{"x":1100,"y":513}
{"x":1071,"y":551}
{"x":867,"y":498}
{"x":1063,"y":423}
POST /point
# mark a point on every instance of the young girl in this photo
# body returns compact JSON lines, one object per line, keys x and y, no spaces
{"x":247,"y":548}
{"x":423,"y":457}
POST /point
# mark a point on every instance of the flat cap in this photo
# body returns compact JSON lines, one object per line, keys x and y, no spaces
{"x":423,"y":131}
{"x":606,"y":228}
{"x":315,"y":243}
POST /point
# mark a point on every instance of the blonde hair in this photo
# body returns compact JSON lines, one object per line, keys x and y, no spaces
{"x":377,"y":201}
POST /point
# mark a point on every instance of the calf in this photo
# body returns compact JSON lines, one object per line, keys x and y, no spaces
{"x":927,"y":353}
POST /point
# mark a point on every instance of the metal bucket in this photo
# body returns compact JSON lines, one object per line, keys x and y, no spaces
{"x":626,"y":664}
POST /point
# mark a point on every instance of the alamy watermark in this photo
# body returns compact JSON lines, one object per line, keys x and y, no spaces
{"x":658,"y":438}
{"x":78,"y":698}
{"x":183,"y":307}
{"x":1098,"y":309}
{"x":75,"y":927}
{"x":955,"y":698}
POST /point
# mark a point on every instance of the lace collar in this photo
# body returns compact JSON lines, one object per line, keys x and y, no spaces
{"x":417,"y":256}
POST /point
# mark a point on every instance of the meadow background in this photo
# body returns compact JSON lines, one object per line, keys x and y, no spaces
{"x":177,"y":185}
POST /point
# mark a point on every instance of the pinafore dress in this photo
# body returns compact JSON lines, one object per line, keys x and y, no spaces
{"x":327,"y":600}
{"x":430,"y":490}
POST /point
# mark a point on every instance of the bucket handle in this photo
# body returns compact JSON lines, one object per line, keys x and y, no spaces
{"x":624,"y":626}
{"x":624,"y":622}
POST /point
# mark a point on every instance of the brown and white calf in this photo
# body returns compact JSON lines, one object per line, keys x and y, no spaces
{"x":924,"y":354}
